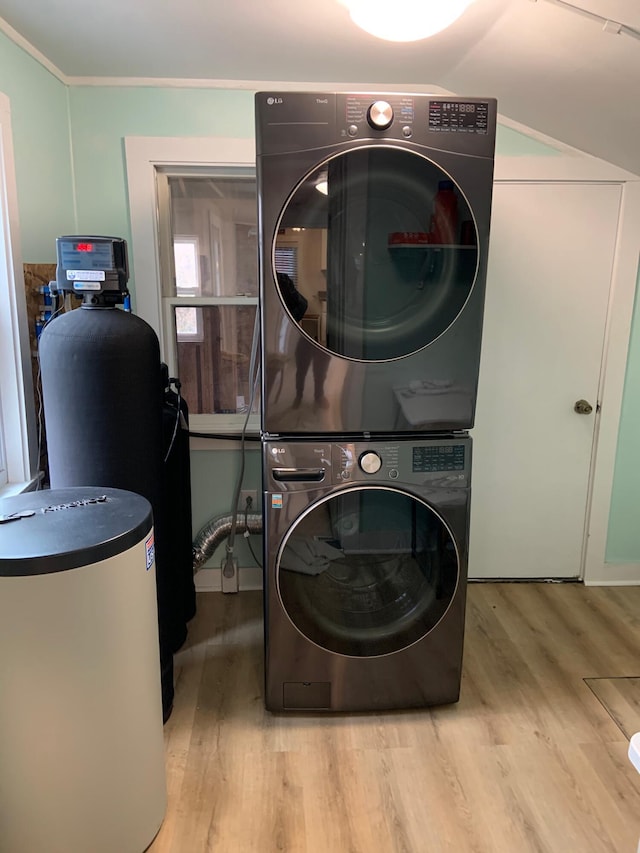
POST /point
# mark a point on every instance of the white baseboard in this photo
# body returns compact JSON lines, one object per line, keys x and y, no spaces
{"x":250,"y":577}
{"x":615,"y":574}
{"x":210,"y":580}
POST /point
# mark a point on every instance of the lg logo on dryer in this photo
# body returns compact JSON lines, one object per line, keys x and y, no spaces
{"x":272,"y":101}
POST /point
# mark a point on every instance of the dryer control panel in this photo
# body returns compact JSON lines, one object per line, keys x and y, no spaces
{"x":291,"y":121}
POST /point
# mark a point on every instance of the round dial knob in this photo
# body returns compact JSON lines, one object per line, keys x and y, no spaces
{"x":380,"y":115}
{"x":370,"y":462}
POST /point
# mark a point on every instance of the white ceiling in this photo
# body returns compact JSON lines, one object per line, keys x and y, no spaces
{"x":551,"y":69}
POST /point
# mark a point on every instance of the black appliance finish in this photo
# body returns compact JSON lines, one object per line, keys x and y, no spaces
{"x":386,"y":201}
{"x":365,"y":571}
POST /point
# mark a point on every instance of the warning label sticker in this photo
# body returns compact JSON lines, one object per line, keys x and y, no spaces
{"x":150,"y":550}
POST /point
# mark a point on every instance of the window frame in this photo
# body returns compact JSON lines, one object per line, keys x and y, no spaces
{"x":18,"y":432}
{"x":146,"y":159}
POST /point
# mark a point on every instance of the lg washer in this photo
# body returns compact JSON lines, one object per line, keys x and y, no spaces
{"x":374,"y":218}
{"x":365,"y":572}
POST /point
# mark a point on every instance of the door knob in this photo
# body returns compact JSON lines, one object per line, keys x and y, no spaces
{"x":583,"y":407}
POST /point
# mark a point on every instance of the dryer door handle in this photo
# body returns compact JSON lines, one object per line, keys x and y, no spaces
{"x":298,"y":475}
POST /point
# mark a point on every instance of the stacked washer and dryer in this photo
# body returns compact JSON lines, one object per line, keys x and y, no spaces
{"x":374,"y":228}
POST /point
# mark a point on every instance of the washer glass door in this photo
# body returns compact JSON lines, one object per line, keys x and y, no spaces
{"x":367,"y":571}
{"x":382,"y":245}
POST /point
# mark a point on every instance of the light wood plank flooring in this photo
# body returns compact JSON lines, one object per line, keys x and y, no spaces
{"x":621,"y":698}
{"x":528,"y":760}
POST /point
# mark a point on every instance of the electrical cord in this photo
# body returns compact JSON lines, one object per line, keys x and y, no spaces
{"x":247,"y":534}
{"x":229,"y":569}
{"x":178,"y":386}
{"x":223,"y":436}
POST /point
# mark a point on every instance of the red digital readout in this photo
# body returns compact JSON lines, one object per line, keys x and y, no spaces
{"x":84,"y":247}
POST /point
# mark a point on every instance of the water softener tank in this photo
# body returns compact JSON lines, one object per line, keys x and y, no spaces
{"x":103,"y":396}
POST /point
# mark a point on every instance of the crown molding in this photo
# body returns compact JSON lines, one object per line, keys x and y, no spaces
{"x":33,"y":52}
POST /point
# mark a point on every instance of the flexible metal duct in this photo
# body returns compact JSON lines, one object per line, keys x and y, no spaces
{"x":216,"y":531}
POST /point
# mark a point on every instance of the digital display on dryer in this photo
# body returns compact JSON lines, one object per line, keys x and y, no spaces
{"x":458,"y":116}
{"x":445,"y":457}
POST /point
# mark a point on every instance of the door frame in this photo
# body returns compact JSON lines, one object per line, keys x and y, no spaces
{"x":594,"y":570}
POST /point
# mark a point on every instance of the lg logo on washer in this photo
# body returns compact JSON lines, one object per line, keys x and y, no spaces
{"x":278,"y":450}
{"x":272,"y":101}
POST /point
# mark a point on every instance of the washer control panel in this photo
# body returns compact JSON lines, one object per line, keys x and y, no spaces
{"x":439,"y":461}
{"x":309,"y":464}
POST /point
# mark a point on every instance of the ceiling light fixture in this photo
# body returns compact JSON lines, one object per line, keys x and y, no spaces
{"x":405,"y":20}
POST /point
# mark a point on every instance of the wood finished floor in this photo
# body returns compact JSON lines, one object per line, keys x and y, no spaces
{"x":528,"y":760}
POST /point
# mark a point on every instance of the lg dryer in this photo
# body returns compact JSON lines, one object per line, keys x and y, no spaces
{"x":374,"y":230}
{"x":365,"y":572}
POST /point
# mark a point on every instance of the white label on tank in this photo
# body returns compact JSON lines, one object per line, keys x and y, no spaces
{"x":87,"y":285}
{"x":85,"y":275}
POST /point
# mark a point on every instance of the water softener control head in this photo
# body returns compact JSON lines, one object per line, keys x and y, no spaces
{"x":95,"y":268}
{"x":380,"y":115}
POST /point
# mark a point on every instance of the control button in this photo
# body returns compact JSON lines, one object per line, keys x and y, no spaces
{"x":393,"y":473}
{"x":406,"y":131}
{"x":345,"y":474}
{"x":370,"y":462}
{"x":352,"y":130}
{"x":380,"y":115}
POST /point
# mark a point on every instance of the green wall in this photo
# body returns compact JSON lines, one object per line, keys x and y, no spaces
{"x":102,"y":117}
{"x":42,"y":150}
{"x":44,"y":111}
{"x":512,"y":143}
{"x":623,"y":540}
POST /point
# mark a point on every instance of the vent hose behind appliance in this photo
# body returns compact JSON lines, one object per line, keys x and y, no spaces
{"x":217,"y":530}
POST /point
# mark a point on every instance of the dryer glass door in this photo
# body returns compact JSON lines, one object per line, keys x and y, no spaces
{"x":367,"y":571}
{"x":386,"y":250}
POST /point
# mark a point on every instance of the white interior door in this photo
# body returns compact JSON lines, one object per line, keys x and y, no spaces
{"x":550,"y":268}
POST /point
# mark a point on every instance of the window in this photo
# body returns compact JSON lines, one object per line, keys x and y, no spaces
{"x":207,"y":283}
{"x":186,"y":254}
{"x":17,"y":415}
{"x":195,"y":268}
{"x":286,"y":258}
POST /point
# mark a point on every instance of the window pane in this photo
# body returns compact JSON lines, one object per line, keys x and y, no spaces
{"x":214,"y":229}
{"x":186,"y":258}
{"x":213,"y":365}
{"x":188,"y":323}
